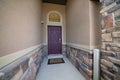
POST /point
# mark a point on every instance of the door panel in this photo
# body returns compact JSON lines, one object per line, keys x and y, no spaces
{"x":54,"y":40}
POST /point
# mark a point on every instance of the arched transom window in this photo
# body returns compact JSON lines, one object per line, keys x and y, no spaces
{"x":54,"y":17}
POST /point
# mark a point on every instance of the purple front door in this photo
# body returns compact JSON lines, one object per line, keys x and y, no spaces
{"x":54,"y":40}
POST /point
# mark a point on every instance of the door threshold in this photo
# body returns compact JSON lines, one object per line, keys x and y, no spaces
{"x":55,"y":56}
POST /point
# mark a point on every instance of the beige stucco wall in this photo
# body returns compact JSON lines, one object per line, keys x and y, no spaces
{"x":83,"y":23}
{"x":20,"y":25}
{"x":46,"y":8}
{"x":78,"y":28}
{"x":95,"y":29}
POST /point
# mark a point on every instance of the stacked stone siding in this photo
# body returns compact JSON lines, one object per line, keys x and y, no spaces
{"x":24,"y":68}
{"x":110,"y":48}
{"x":82,"y":60}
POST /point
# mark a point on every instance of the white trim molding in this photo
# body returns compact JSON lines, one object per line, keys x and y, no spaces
{"x":5,"y":60}
{"x":96,"y":64}
{"x":78,"y":46}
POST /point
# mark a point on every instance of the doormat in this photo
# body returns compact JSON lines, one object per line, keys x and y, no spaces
{"x":56,"y":61}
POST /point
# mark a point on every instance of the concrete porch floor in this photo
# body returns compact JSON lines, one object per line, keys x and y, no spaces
{"x":63,"y":71}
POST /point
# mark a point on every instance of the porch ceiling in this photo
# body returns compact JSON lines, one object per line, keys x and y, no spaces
{"x":62,"y":2}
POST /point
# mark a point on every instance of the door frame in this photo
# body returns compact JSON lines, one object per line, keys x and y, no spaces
{"x":53,"y":24}
{"x":48,"y":36}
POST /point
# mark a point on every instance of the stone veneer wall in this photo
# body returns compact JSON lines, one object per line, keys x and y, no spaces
{"x":24,"y":68}
{"x":82,"y":60}
{"x":110,"y":49}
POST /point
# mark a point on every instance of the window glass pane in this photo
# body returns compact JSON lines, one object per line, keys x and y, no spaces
{"x":54,"y":17}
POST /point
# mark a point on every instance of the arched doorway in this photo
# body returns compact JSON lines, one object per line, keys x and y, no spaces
{"x":54,"y":27}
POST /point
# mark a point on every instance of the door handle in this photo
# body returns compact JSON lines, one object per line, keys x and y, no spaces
{"x":60,"y":39}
